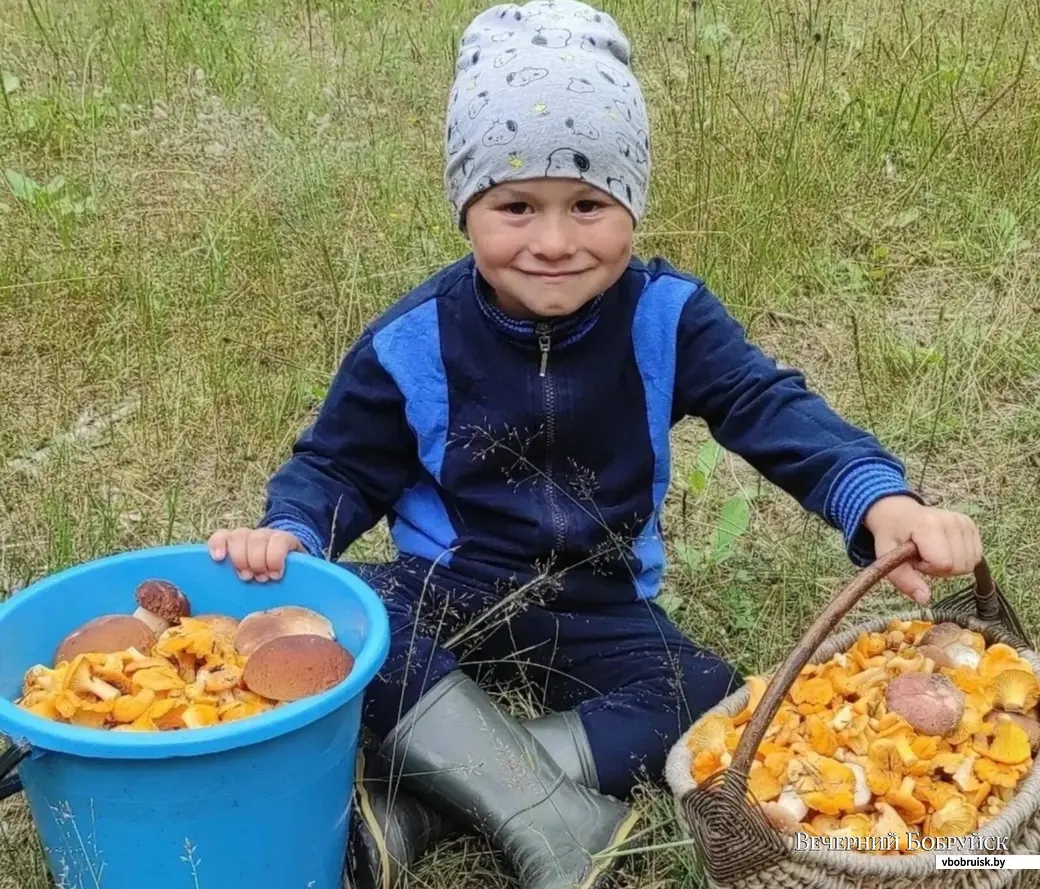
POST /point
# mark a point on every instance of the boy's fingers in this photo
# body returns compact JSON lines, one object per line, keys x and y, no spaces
{"x":256,"y":548}
{"x":218,"y":544}
{"x":236,"y":547}
{"x":277,"y":549}
{"x":975,"y":544}
{"x":936,"y":552}
{"x":910,"y":584}
{"x":964,"y":547}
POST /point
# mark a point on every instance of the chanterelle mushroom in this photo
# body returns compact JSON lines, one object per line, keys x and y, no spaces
{"x":105,"y":635}
{"x":292,"y":667}
{"x":160,"y":605}
{"x":262,"y":626}
{"x":221,"y":624}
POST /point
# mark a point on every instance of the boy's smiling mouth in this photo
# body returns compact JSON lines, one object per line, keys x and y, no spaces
{"x":552,"y":276}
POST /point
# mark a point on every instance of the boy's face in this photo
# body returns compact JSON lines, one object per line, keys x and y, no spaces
{"x":548,"y":246}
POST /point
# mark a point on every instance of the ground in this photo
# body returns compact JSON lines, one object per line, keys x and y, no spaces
{"x":204,"y":202}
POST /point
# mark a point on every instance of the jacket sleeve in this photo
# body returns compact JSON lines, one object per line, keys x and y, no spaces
{"x":768,"y":416}
{"x":348,"y":468}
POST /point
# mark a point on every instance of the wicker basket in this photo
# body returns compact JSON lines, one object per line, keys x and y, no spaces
{"x":739,"y":849}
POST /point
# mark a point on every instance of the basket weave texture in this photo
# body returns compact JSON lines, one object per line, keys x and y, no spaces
{"x":1019,"y":822}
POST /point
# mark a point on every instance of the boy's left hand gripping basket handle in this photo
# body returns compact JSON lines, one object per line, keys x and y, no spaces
{"x":734,"y":839}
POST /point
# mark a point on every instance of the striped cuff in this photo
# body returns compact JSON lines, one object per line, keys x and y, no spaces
{"x":857,"y":489}
{"x":304,"y":533}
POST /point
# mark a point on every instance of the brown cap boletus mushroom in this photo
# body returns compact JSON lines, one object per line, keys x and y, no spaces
{"x":289,"y":620}
{"x":941,"y":634}
{"x":930,"y":702}
{"x":106,"y":635}
{"x":161,"y":605}
{"x":292,"y":667}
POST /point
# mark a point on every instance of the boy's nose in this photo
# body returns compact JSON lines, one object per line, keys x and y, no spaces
{"x":553,"y":240}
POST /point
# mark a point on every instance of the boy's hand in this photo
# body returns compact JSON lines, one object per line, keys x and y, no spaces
{"x":255,"y":552}
{"x":949,"y":542}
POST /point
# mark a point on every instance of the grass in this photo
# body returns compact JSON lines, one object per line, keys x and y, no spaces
{"x":220,"y":195}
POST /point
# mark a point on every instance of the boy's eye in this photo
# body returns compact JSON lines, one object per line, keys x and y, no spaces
{"x":587,"y":206}
{"x":517,"y":208}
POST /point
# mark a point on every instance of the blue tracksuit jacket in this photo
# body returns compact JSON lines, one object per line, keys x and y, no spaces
{"x":500,"y":448}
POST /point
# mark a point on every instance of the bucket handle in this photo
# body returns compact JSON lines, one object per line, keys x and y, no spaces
{"x":10,"y":783}
{"x":985,"y":596}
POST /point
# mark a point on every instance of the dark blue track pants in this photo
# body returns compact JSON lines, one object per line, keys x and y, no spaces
{"x":636,"y":681}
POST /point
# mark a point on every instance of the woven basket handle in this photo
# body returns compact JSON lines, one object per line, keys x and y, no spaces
{"x":830,"y":617}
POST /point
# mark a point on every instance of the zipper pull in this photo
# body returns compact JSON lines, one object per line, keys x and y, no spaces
{"x":544,"y":342}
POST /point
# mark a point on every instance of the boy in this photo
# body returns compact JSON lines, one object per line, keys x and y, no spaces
{"x":510,"y":417}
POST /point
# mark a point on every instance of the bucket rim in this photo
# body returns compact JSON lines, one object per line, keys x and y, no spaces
{"x":45,"y":735}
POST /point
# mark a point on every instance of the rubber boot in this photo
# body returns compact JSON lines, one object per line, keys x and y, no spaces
{"x":463,"y":755}
{"x":392,"y":829}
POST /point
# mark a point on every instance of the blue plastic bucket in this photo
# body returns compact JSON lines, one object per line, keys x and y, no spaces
{"x":260,"y":802}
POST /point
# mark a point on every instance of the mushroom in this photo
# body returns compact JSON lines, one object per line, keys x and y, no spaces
{"x":263,"y":626}
{"x":857,"y":825}
{"x":293,"y":667}
{"x":941,"y":635}
{"x":861,"y":796}
{"x":786,"y":812}
{"x":955,"y":818}
{"x":891,"y":823}
{"x":781,"y":817}
{"x":158,"y":679}
{"x":905,"y":800}
{"x":1027,"y":722}
{"x":160,"y":605}
{"x":999,"y":657}
{"x":105,"y":635}
{"x":200,"y":715}
{"x":80,"y":680}
{"x":763,"y":784}
{"x":884,"y":766}
{"x":828,"y":786}
{"x":1015,"y":690}
{"x":997,"y":774}
{"x":930,"y":702}
{"x":221,"y":624}
{"x":130,"y":707}
{"x":1010,"y":744}
{"x":962,"y":655}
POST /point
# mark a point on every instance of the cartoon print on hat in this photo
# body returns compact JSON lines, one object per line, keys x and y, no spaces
{"x":630,"y":150}
{"x":505,"y":57}
{"x":552,"y":38}
{"x":620,"y":189}
{"x":455,"y":139}
{"x":583,"y":129}
{"x":526,"y":76}
{"x":569,"y":161}
{"x":478,"y":104}
{"x":501,"y":133}
{"x":624,"y":110}
{"x":612,"y":76}
{"x":580,"y":85}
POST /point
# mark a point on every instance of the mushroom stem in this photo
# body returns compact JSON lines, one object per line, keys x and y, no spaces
{"x":154,"y":622}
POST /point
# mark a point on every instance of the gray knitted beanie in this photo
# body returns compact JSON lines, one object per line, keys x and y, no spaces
{"x":545,"y":89}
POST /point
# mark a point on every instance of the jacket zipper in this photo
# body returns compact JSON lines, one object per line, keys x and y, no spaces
{"x":549,"y":401}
